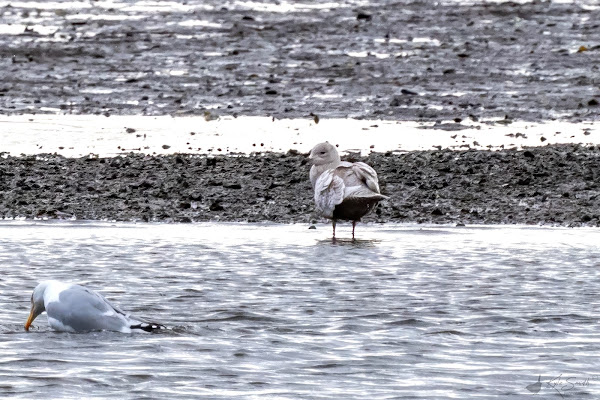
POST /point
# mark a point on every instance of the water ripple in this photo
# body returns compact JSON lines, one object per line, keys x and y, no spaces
{"x":281,"y":311}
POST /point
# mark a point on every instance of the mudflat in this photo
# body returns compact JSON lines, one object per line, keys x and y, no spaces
{"x":403,"y":60}
{"x":398,"y":60}
{"x":554,"y":185}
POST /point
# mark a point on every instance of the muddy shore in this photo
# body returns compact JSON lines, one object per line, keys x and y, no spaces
{"x":398,"y":60}
{"x":552,"y":185}
{"x":386,"y":59}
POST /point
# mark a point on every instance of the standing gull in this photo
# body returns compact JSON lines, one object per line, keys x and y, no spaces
{"x":343,"y":190}
{"x":73,"y":308}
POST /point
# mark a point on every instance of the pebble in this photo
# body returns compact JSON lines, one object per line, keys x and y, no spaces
{"x":449,"y":187}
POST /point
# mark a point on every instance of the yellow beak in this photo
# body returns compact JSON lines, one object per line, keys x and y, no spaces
{"x":30,"y":319}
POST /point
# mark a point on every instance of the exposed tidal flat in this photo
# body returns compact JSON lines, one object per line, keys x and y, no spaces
{"x":551,"y":185}
{"x":384,"y":59}
{"x":454,"y":67}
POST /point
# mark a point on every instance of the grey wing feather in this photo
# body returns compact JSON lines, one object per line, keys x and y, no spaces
{"x":105,"y":304}
{"x":367,"y":175}
{"x":85,"y":310}
{"x":329,"y":192}
{"x":128,"y":319}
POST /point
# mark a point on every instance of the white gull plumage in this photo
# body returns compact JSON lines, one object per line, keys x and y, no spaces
{"x":343,"y":190}
{"x":74,"y":308}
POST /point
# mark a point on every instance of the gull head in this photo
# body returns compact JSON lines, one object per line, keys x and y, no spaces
{"x":37,"y":303}
{"x":324,"y":153}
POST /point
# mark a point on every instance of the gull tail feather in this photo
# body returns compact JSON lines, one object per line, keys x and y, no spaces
{"x":366,"y":194}
{"x":148,"y":326}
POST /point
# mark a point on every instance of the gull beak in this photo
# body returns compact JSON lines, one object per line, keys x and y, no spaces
{"x":30,"y":319}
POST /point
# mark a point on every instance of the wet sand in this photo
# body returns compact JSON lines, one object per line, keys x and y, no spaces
{"x":553,"y":185}
{"x":380,"y":60}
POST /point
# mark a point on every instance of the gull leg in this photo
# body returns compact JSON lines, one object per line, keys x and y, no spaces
{"x":333,"y":229}
{"x":353,"y":225}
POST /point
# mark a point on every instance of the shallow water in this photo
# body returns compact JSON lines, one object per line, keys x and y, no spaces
{"x":279,"y":311}
{"x":82,"y":135}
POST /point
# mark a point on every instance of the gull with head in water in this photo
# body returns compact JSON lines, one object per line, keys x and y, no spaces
{"x":73,"y":308}
{"x":343,"y":190}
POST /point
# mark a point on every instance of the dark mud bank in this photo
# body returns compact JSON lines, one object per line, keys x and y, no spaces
{"x":556,"y":185}
{"x":385,"y":59}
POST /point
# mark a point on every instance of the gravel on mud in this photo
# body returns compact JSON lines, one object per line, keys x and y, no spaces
{"x":385,"y":59}
{"x":554,"y":185}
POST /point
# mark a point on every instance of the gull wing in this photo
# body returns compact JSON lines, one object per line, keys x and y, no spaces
{"x":329,"y":192}
{"x":79,"y":309}
{"x":367,"y":175}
